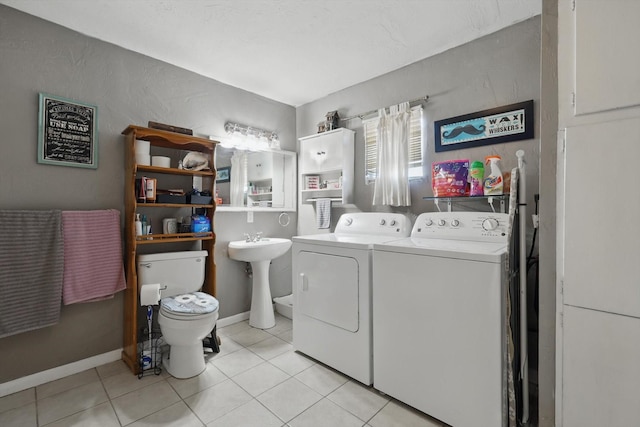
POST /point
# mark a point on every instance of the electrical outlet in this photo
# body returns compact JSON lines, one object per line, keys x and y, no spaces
{"x":249,"y":216}
{"x":536,"y":220}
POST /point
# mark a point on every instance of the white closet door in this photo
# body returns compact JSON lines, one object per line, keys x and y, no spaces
{"x":602,"y":208}
{"x":598,"y":325}
{"x":601,"y":379}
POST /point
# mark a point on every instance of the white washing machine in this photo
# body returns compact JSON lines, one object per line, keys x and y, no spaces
{"x":332,"y":290}
{"x":439,"y":310}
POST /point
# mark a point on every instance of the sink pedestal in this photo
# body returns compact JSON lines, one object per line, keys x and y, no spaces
{"x":260,"y":253}
{"x":261,"y":315}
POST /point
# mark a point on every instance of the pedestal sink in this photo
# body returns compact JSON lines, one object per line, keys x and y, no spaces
{"x":260,"y":253}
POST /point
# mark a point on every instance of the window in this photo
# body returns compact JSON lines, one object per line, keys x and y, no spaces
{"x":415,"y":146}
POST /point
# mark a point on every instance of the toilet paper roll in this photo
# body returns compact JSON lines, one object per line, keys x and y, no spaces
{"x":150,"y":294}
{"x":161,"y":161}
{"x":143,"y":159}
{"x":142,"y":147}
{"x":203,"y":302}
{"x":185,"y":299}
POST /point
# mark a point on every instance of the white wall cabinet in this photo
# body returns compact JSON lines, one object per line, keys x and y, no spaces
{"x":598,"y":75}
{"x":260,"y":166}
{"x":326,"y":162}
{"x":606,"y":75}
{"x":266,"y":175}
{"x":269,"y":181}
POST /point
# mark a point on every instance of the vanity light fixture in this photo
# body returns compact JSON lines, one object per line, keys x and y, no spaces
{"x":249,"y":138}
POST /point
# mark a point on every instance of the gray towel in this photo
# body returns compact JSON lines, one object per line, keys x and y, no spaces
{"x":323,"y":213}
{"x":31,"y":268}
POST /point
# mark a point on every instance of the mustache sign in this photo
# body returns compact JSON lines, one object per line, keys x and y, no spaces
{"x":468,"y":129}
{"x":503,"y":124}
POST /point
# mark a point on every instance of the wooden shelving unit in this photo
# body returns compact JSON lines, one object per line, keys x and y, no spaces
{"x":176,"y":144}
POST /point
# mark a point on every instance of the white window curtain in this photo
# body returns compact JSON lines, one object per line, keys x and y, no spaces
{"x":238,"y":178}
{"x":416,"y":146}
{"x":392,"y":140}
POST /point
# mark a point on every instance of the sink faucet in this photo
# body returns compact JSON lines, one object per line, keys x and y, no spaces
{"x":253,"y":237}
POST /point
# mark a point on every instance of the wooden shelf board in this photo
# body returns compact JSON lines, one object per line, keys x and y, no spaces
{"x":171,"y":205}
{"x":173,"y":171}
{"x":166,"y":139}
{"x":168,"y":238}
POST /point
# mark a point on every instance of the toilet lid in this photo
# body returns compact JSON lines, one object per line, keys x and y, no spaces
{"x":191,"y":303}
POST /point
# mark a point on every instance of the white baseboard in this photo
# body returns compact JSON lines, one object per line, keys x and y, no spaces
{"x":58,"y":372}
{"x":232,"y":319}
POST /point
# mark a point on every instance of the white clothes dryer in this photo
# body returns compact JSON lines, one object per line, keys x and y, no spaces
{"x":332,"y":290}
{"x":439,"y":317}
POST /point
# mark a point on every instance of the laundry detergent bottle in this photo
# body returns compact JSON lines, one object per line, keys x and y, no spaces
{"x":476,"y":179}
{"x":493,"y":183}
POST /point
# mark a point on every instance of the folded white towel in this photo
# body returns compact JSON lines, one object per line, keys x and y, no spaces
{"x":323,"y":213}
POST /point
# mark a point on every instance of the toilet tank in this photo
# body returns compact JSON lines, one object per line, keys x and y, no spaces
{"x":180,"y":272}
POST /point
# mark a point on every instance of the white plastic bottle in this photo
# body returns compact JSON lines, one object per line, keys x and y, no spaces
{"x":493,"y":183}
{"x":138,"y":225}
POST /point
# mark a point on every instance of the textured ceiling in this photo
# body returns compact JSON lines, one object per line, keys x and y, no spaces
{"x":292,"y":51}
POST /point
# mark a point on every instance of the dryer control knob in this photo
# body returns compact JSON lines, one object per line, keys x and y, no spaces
{"x":490,"y":224}
{"x":393,"y":222}
{"x":383,"y":222}
{"x":349,"y":221}
{"x":428,"y":222}
{"x":455,"y":223}
{"x":441,"y":222}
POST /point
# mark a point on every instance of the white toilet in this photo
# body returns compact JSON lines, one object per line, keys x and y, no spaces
{"x":186,"y":316}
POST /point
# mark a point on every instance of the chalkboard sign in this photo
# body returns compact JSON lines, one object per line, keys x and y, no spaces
{"x":67,"y":132}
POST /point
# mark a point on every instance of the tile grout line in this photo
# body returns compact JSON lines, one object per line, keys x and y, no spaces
{"x":113,"y":408}
{"x":35,"y":393}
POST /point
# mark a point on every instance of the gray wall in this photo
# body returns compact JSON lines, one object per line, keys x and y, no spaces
{"x":128,"y":88}
{"x":499,"y":69}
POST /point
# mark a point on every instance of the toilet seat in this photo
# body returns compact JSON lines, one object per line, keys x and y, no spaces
{"x":185,"y":317}
{"x":190,"y":306}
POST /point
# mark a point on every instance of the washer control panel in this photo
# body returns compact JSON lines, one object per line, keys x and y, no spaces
{"x":376,"y":223}
{"x":480,"y":226}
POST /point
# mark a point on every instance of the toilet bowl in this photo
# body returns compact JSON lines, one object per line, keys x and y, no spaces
{"x":186,"y":315}
{"x":184,"y":334}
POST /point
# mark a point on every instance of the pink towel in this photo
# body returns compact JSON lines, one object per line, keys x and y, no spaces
{"x":93,"y":267}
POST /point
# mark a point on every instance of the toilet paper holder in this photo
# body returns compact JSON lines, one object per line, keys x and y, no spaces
{"x":151,"y":294}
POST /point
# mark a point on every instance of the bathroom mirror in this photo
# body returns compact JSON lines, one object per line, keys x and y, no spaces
{"x":256,"y":180}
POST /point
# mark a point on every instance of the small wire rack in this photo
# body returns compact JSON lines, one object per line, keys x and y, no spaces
{"x":150,"y":355}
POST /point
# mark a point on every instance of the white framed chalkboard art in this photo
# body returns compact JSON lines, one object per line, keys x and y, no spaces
{"x":67,"y":132}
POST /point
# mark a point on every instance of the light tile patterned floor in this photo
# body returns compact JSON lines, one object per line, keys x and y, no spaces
{"x":257,"y":380}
